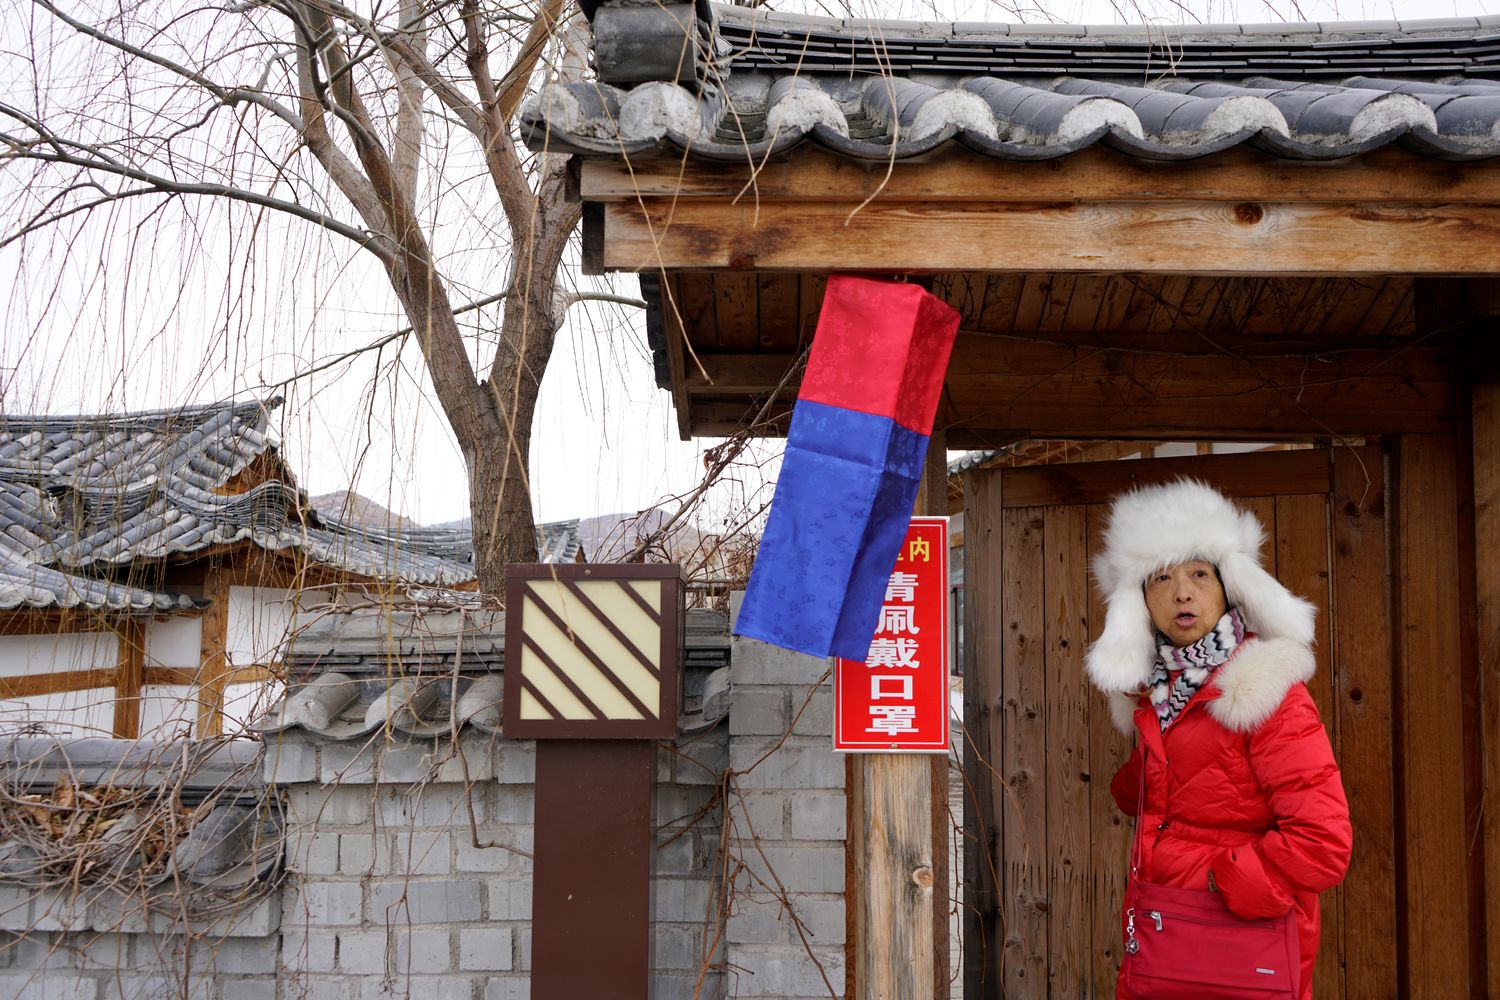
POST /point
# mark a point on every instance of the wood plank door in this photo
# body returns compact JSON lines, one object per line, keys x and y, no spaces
{"x":1046,"y":849}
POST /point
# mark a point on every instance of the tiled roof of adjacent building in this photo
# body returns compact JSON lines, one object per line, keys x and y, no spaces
{"x":83,"y":496}
{"x":886,"y":89}
{"x":430,"y":672}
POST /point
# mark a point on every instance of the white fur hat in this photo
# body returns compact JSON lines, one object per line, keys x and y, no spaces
{"x":1155,"y":527}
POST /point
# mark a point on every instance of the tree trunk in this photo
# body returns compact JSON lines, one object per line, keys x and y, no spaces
{"x":500,"y":464}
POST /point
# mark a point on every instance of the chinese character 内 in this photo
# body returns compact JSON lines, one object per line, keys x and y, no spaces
{"x":901,"y":587}
{"x":890,"y":686}
{"x":893,"y":653}
{"x":892,"y":719}
{"x":920,"y":548}
{"x":897,"y":619}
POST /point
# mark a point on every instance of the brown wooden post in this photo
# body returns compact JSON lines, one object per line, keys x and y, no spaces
{"x":1429,"y":699}
{"x":129,"y":672}
{"x":983,"y":804}
{"x":213,"y":654}
{"x":1486,"y":450}
{"x":591,"y":673}
{"x":897,"y":937}
{"x":1362,"y":651}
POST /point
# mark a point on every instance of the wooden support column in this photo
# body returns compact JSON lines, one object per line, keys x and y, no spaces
{"x":1429,"y":706}
{"x":897,"y":849}
{"x":983,"y":798}
{"x":213,"y":655}
{"x":1486,"y":435}
{"x":129,"y":675}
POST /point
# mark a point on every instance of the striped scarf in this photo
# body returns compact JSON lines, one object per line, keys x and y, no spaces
{"x":1182,"y":670}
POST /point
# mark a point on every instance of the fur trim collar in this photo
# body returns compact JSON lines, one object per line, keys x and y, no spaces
{"x":1159,"y":526}
{"x":1249,"y":688}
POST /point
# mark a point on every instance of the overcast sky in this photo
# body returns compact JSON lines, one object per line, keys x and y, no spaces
{"x":126,"y":323}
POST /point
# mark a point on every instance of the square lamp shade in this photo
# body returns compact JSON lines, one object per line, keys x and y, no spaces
{"x":592,"y":651}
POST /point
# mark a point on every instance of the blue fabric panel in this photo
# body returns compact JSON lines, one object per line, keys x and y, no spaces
{"x":890,"y":516}
{"x":842,"y":505}
{"x":863,"y":438}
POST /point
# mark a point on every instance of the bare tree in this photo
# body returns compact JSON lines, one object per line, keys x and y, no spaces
{"x":358,"y":122}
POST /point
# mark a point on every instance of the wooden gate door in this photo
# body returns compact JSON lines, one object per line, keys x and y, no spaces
{"x":1046,"y":847}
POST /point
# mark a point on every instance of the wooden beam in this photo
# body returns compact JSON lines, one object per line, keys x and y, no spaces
{"x":1363,"y":677}
{"x":58,"y":682}
{"x":1486,"y":452}
{"x":677,"y":366}
{"x":213,"y":655}
{"x":1168,"y":237}
{"x":1022,"y":759}
{"x":1250,"y":474}
{"x":1097,"y":174}
{"x":932,"y":501}
{"x":1123,"y":386}
{"x":51,"y":622}
{"x":983,"y":796}
{"x":1067,"y":775}
{"x":1429,"y":699}
{"x":127,"y":720}
{"x":185,"y":677}
{"x":736,"y":374}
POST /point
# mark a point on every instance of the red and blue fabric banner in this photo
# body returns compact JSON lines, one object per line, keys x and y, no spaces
{"x":854,"y":456}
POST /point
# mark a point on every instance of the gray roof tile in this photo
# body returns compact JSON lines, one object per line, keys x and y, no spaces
{"x":82,"y":495}
{"x":923,"y":60}
{"x":404,"y":671}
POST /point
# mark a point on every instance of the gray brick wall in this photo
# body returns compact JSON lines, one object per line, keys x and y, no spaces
{"x":390,"y":892}
{"x":406,"y":881}
{"x":785,"y":934}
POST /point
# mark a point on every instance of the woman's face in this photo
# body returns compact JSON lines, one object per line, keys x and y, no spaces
{"x":1185,"y":601}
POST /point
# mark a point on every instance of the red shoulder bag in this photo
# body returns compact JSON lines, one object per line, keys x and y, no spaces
{"x":1185,"y":944}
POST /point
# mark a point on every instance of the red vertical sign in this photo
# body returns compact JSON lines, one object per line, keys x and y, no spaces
{"x":897,"y":699}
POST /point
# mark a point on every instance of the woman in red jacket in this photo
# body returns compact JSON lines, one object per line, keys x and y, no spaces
{"x":1206,"y":657}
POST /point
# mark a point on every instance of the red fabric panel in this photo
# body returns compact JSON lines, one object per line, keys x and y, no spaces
{"x":882,"y":348}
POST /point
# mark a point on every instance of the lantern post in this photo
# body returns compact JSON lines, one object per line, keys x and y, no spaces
{"x":592,"y":655}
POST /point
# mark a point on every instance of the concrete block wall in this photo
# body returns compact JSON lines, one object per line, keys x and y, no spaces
{"x":408,"y":882}
{"x":99,"y":945}
{"x":786,"y":816}
{"x":404,"y":878}
{"x":408,"y":872}
{"x":408,"y":875}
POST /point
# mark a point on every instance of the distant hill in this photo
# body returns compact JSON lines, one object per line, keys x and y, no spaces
{"x":605,"y":537}
{"x":361,"y":510}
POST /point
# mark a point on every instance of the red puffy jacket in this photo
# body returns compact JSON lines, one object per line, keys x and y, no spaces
{"x":1243,"y":784}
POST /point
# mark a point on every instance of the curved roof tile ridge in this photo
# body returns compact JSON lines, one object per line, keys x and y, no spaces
{"x":893,"y":27}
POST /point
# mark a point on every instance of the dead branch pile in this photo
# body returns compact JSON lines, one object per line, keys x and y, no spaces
{"x":169,"y":833}
{"x":82,"y":836}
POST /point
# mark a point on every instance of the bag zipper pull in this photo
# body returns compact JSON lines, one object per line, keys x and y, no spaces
{"x":1156,"y":915}
{"x":1131,"y":944}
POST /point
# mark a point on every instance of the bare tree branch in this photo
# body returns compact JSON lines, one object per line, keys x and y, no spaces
{"x":227,"y":95}
{"x":512,"y":86}
{"x":100,"y":163}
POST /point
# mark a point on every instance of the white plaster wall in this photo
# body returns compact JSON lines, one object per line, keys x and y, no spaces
{"x":174,"y":642}
{"x":66,"y":714}
{"x":23,"y":655}
{"x":168,"y":711}
{"x":259,"y":620}
{"x":244,"y":702}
